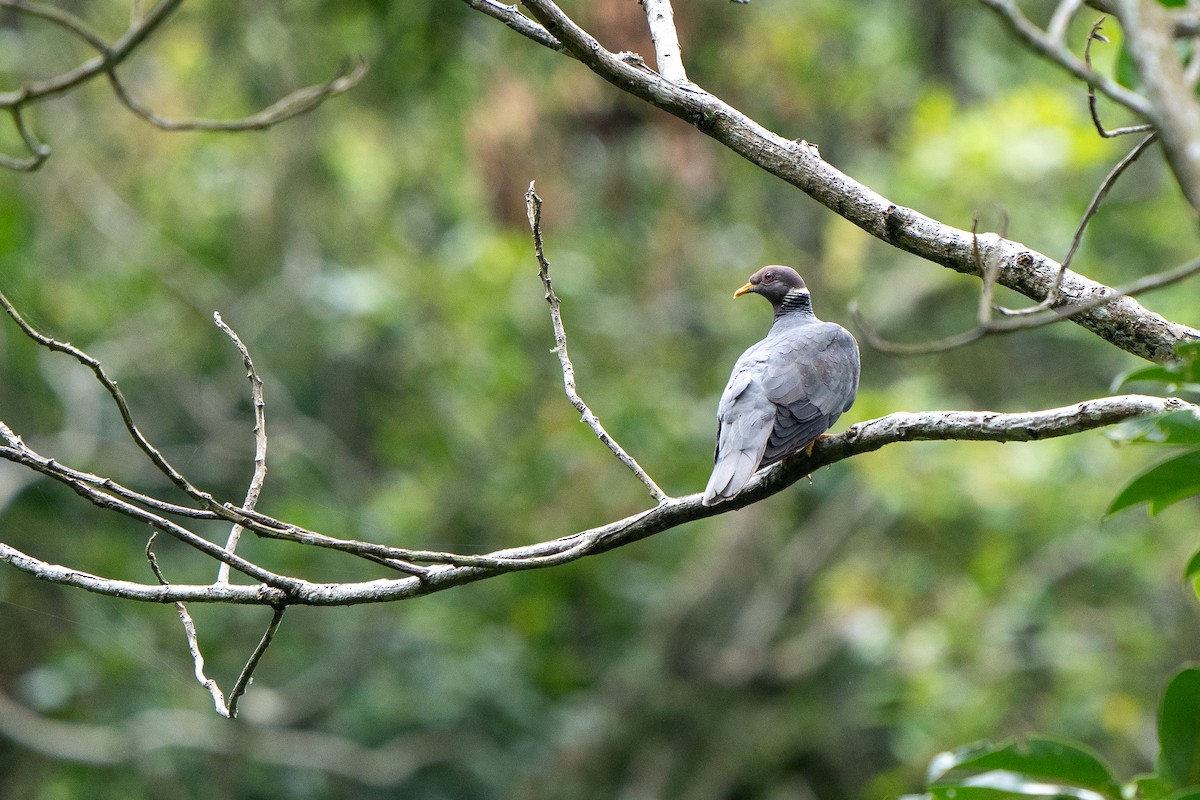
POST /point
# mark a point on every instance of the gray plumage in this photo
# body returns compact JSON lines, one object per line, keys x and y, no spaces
{"x":786,"y":390}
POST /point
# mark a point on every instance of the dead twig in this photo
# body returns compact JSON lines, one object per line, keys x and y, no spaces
{"x":110,"y":57}
{"x":533,"y":207}
{"x":292,"y":105}
{"x":1095,"y":36}
{"x":1021,"y":323}
{"x":260,"y":442}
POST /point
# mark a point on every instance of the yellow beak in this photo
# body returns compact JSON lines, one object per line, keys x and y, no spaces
{"x":748,"y":287}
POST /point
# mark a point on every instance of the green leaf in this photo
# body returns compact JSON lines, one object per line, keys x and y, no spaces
{"x":1190,"y":793}
{"x":1162,"y":485}
{"x":1126,"y":72}
{"x":1180,"y":427}
{"x":1193,"y":566}
{"x":1151,"y":787}
{"x":1192,"y":572}
{"x":961,"y":792}
{"x":1157,"y":373}
{"x":1179,"y":729}
{"x":1182,"y":372}
{"x":1037,"y":766}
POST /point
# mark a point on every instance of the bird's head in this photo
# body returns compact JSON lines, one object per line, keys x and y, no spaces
{"x":773,"y":282}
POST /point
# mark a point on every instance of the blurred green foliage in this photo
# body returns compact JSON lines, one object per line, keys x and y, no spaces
{"x":375,"y":258}
{"x":1040,"y":767}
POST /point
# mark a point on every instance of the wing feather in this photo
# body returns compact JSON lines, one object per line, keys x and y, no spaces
{"x":784,"y":392}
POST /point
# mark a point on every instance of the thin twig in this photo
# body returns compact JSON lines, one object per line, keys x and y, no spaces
{"x":243,"y":681}
{"x":292,"y":105}
{"x":1056,"y":30}
{"x":661,"y":19}
{"x":1021,"y":322}
{"x":1054,"y":51}
{"x":110,"y":386}
{"x":1101,"y":193}
{"x":39,"y":152}
{"x":513,"y":18}
{"x":884,"y":345}
{"x":60,"y":17}
{"x":110,"y":57}
{"x":1095,"y":36}
{"x":989,"y":270}
{"x":1052,"y":296}
{"x":260,"y":441}
{"x":533,"y":207}
{"x":189,"y":632}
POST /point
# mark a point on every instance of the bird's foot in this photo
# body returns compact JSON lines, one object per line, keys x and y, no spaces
{"x":809,"y":447}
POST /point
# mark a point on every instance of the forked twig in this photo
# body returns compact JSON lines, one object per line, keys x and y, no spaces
{"x":533,"y":208}
{"x":228,"y":710}
{"x":1052,"y":296}
{"x":1094,"y":35}
{"x":1048,"y":316}
{"x":110,"y":56}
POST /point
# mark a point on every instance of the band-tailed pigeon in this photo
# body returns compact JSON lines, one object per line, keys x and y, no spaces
{"x":786,"y":390}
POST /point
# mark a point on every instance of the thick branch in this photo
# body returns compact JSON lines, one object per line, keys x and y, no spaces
{"x":862,"y":438}
{"x":1173,"y":108}
{"x":667,"y":54}
{"x":1123,"y":322}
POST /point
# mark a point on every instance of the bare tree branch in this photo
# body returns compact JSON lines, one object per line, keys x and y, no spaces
{"x":189,"y":631}
{"x":1051,"y":47}
{"x":533,"y":207}
{"x":110,"y":386}
{"x":862,"y":438}
{"x":243,"y":680}
{"x":1095,"y":36}
{"x":1102,"y":192}
{"x":110,"y":57}
{"x":293,"y":105}
{"x":1173,"y":108}
{"x":1122,"y":321}
{"x":40,"y":152}
{"x":1025,"y":322}
{"x":260,"y":442}
{"x":661,"y":19}
{"x":1056,"y":29}
{"x":513,"y":18}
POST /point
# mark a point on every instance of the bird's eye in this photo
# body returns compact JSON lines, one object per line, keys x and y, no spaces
{"x":767,"y":278}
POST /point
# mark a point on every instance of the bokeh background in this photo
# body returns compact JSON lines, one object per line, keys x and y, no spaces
{"x":375,"y":257}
